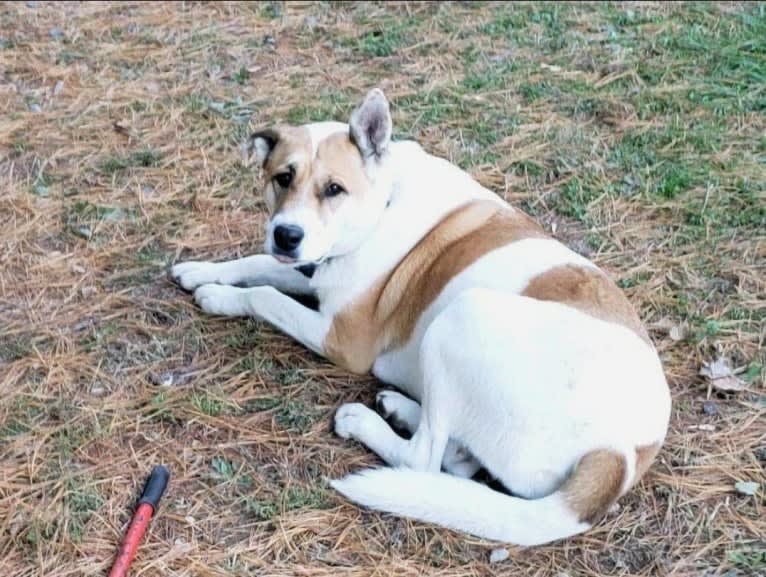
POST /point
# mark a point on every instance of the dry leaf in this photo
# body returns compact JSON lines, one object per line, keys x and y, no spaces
{"x":722,"y":376}
{"x":498,"y":555}
{"x":707,"y":428}
{"x":747,"y":487}
{"x":675,"y":331}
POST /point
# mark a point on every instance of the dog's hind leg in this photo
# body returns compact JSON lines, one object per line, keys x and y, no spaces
{"x":256,"y":270}
{"x":403,"y":413}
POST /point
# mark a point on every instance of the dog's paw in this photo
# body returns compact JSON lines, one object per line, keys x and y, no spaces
{"x":221,"y":300}
{"x":388,"y":402}
{"x":355,"y":421}
{"x":191,"y":275}
{"x":401,"y":412}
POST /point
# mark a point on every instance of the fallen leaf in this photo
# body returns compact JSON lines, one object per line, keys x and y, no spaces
{"x":499,"y":555}
{"x":709,"y":408}
{"x":551,"y":67}
{"x":706,"y":428}
{"x":675,"y":331}
{"x":722,"y":376}
{"x":747,"y":487}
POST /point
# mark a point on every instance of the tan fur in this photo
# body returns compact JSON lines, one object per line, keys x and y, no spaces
{"x":644,"y":458}
{"x":598,"y":479}
{"x":588,"y":290}
{"x":337,"y":160}
{"x":595,"y":484}
{"x":385,"y":316}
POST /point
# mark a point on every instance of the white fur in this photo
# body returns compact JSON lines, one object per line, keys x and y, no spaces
{"x":318,"y":131}
{"x":461,"y":504}
{"x":317,"y":239}
{"x":256,"y":270}
{"x":267,"y":304}
{"x":522,"y":386}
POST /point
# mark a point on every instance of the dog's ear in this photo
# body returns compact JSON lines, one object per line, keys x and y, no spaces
{"x":259,"y":146}
{"x":370,"y":125}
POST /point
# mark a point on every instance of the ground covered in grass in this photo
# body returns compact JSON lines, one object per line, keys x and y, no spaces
{"x":635,"y":132}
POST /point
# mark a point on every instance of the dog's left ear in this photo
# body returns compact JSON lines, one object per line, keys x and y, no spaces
{"x":259,"y":146}
{"x":370,"y":125}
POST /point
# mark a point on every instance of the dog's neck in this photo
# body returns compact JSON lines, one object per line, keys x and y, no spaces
{"x":424,"y":189}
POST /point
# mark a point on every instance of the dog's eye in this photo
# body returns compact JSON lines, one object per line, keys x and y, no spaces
{"x":283,"y":179}
{"x":333,"y":189}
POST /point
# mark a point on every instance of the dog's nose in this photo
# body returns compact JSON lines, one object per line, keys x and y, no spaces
{"x":287,"y":237}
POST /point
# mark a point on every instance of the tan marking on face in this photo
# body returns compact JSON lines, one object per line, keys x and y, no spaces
{"x":644,"y":458}
{"x":595,"y":484}
{"x":336,"y":160}
{"x":293,"y":149}
{"x":588,"y":290}
{"x":385,"y":316}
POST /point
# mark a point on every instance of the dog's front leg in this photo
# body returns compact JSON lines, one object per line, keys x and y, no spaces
{"x":423,"y":452}
{"x":266,"y":303}
{"x":256,"y":270}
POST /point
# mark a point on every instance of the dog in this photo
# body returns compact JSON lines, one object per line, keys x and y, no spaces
{"x":517,"y":355}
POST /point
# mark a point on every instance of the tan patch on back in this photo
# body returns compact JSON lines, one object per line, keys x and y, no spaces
{"x":595,"y":484}
{"x":385,"y":316}
{"x":588,"y":290}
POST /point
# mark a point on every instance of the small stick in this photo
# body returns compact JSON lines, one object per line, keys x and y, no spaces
{"x":147,"y":506}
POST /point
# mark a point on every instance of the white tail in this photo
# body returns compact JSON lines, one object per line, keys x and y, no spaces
{"x":474,"y":508}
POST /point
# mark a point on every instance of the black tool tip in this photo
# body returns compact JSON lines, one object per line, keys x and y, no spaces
{"x":155,"y":486}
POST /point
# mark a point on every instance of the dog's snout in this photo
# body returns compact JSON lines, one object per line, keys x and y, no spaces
{"x":287,"y":237}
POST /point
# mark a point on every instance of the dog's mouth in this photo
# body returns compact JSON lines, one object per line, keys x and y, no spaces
{"x":305,"y":267}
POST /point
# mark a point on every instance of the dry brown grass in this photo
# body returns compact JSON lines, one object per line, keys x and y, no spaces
{"x":118,"y":133}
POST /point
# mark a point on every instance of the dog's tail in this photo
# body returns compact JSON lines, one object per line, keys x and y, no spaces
{"x":597,"y":481}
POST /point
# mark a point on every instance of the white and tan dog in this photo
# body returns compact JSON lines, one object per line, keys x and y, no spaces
{"x":523,"y":357}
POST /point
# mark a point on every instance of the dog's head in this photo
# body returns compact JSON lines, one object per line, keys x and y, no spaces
{"x":325,"y":186}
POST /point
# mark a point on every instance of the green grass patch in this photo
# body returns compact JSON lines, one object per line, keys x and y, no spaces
{"x":751,"y":560}
{"x":13,"y":348}
{"x":575,"y":198}
{"x":297,"y":497}
{"x":327,"y":106}
{"x":209,"y":405}
{"x":295,"y":415}
{"x":145,"y":158}
{"x":260,"y":509}
{"x":72,"y":437}
{"x":383,"y":38}
{"x":81,"y":503}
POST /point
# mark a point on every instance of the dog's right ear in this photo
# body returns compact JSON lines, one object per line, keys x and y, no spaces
{"x":370,"y":125}
{"x":259,"y":146}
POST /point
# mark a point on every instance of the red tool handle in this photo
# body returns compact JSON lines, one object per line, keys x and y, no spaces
{"x":150,"y":499}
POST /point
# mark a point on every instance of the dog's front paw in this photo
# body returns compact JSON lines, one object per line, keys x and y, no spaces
{"x":355,"y":421}
{"x":191,"y":275}
{"x":222,"y":300}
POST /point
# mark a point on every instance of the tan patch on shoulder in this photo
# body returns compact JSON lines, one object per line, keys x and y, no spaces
{"x":595,"y":484}
{"x":385,"y":316}
{"x":588,"y":290}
